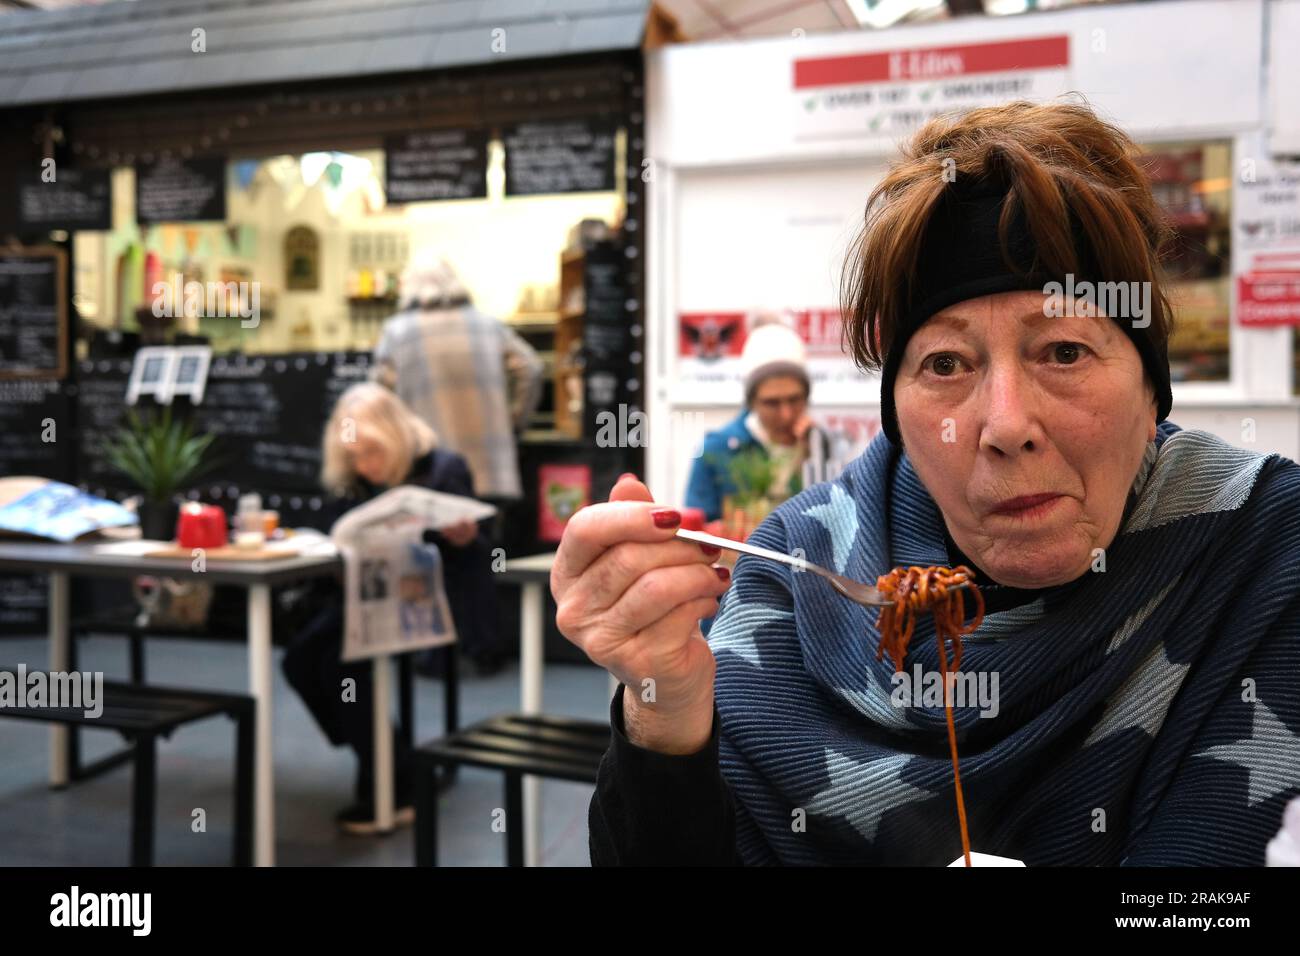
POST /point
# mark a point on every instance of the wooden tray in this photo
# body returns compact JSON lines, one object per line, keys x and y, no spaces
{"x":228,"y":553}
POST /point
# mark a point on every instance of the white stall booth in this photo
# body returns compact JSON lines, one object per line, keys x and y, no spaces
{"x":761,"y":156}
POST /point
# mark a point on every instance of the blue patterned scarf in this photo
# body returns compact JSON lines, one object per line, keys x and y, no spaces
{"x":1146,"y":714}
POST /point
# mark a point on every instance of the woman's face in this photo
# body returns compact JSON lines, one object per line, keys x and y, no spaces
{"x":997,"y":403}
{"x":780,"y":401}
{"x":369,"y":456}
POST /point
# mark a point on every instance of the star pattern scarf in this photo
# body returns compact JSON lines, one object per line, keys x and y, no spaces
{"x":1147,"y":713}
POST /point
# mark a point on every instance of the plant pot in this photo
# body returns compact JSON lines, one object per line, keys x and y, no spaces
{"x":158,"y":520}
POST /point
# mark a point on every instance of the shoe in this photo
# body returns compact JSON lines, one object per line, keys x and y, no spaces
{"x":359,"y":819}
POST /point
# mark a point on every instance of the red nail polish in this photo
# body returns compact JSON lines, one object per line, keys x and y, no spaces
{"x":626,"y":474}
{"x":724,"y":574}
{"x":666,"y":518}
{"x":711,"y":550}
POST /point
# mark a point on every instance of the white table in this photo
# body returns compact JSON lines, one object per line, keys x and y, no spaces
{"x":62,"y":561}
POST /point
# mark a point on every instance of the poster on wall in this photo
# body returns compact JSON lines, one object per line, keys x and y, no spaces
{"x":848,"y":433}
{"x":710,"y":345}
{"x":887,"y":94}
{"x":1266,"y":237}
{"x":561,"y":491}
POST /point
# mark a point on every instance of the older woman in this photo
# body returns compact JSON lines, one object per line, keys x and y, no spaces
{"x":373,"y":442}
{"x":1142,"y":640}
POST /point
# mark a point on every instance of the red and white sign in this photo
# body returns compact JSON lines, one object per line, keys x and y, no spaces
{"x":889,"y":94}
{"x":822,"y":331}
{"x":1269,"y":294}
{"x":710,"y":344}
{"x":710,"y":336}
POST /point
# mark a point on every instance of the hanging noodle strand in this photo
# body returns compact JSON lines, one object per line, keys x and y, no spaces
{"x":915,"y":590}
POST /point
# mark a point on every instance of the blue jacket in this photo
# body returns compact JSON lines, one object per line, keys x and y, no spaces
{"x":710,"y":479}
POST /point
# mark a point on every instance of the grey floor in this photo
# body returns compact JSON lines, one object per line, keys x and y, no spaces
{"x":88,"y":824}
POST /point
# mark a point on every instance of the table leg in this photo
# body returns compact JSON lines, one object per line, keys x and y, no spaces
{"x":259,"y":687}
{"x":382,"y":721}
{"x":60,"y":656}
{"x":530,"y":689}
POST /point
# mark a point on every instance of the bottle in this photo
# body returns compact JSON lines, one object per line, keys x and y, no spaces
{"x":1284,"y":849}
{"x":251,"y":529}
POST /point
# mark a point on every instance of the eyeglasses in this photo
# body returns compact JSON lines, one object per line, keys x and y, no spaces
{"x":772,"y":404}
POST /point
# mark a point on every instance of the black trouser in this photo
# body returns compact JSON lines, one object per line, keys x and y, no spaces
{"x":314,"y":668}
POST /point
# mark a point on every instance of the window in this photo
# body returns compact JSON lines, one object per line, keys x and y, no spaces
{"x":1193,"y":184}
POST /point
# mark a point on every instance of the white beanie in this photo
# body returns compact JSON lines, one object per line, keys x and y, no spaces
{"x":772,"y":349}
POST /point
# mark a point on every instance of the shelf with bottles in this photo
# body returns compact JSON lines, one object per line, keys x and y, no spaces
{"x":375,"y":264}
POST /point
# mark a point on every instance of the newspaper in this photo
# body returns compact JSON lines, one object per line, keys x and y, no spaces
{"x":393,"y":580}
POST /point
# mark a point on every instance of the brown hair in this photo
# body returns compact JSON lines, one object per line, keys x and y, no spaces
{"x":1056,"y":159}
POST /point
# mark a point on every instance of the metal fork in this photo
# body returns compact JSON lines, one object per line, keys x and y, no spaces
{"x":853,"y":590}
{"x":856,"y":591}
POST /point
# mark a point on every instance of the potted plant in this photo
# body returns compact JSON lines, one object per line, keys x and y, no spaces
{"x":161,"y":456}
{"x":752,"y":472}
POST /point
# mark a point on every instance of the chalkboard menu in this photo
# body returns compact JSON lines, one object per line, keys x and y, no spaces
{"x":438,"y":164}
{"x":181,"y":190}
{"x":77,"y":199}
{"x":101,"y":403}
{"x":268,"y":412}
{"x":570,"y":156}
{"x":36,"y":433}
{"x":604,"y":326}
{"x":33,"y":313}
{"x":23,"y":599}
{"x":606,"y":335}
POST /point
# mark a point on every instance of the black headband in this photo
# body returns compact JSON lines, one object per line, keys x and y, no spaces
{"x":960,"y":259}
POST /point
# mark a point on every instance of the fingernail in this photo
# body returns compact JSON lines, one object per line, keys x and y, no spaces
{"x":626,"y":474}
{"x":724,"y":574}
{"x":666,"y":517}
{"x":711,"y":550}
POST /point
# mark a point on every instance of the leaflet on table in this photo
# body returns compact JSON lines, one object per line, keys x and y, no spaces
{"x":55,"y":511}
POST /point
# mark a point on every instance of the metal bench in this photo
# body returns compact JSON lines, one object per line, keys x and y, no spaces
{"x":562,"y":748}
{"x":142,"y":714}
{"x":121,"y":622}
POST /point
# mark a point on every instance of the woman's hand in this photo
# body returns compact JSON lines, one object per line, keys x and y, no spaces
{"x":631,"y":596}
{"x":461,"y":533}
{"x":802,"y":427}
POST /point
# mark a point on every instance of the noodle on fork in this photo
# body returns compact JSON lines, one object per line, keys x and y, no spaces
{"x":915,"y":590}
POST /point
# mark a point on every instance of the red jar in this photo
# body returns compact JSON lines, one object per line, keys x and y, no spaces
{"x":201,"y":526}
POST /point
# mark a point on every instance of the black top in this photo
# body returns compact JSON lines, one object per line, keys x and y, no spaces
{"x":653,"y":809}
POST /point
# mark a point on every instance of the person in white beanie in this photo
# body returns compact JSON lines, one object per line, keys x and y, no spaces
{"x":774,"y":420}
